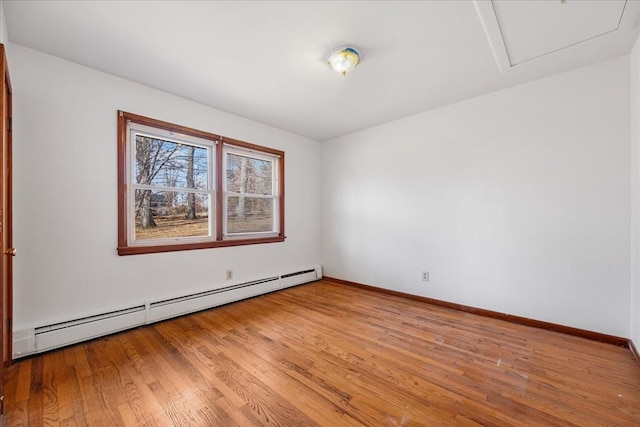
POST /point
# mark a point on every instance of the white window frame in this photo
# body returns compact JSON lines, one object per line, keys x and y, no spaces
{"x":275,"y":196}
{"x":169,"y":136}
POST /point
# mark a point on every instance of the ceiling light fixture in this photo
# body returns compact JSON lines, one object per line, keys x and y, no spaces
{"x":344,"y":59}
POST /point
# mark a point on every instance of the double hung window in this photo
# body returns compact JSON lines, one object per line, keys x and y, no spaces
{"x":180,"y":188}
{"x":250,"y":200}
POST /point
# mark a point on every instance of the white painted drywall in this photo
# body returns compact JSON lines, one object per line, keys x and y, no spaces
{"x":516,"y":201}
{"x":4,"y":36}
{"x":65,"y":204}
{"x":634,"y":92}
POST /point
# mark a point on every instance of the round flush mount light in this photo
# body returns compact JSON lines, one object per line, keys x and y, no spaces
{"x":344,"y":59}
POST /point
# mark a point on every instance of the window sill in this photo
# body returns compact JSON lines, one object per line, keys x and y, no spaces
{"x":138,"y":250}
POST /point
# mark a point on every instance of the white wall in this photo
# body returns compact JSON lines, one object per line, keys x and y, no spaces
{"x":516,"y":201}
{"x":65,"y":205}
{"x":635,"y":193}
{"x":4,"y":36}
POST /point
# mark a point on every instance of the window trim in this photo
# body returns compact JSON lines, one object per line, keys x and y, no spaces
{"x":124,"y":248}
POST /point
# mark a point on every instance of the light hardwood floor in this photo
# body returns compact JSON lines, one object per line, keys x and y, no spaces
{"x":324,"y":354}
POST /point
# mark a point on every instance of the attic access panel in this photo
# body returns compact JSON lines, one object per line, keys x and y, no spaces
{"x":520,"y":31}
{"x":531,"y":29}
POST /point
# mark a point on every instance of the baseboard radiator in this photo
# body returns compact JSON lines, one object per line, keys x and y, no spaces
{"x":49,"y":337}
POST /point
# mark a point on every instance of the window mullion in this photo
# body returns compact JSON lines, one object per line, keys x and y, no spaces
{"x":220,"y":182}
{"x":212,"y":185}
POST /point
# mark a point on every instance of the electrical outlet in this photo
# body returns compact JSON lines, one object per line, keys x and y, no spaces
{"x":425,"y":276}
{"x":229,"y":274}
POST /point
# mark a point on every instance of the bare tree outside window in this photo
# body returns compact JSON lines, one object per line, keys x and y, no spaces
{"x":250,"y":194}
{"x":168,"y":165}
{"x":191,"y":205}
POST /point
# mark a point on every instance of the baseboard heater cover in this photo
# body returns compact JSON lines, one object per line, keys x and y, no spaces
{"x":61,"y":334}
{"x":293,"y":279}
{"x":64,"y":333}
{"x":173,"y":307}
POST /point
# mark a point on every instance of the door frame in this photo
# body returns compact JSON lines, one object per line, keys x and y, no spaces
{"x":6,"y":223}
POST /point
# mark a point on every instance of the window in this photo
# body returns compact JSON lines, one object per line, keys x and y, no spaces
{"x":249,"y":193}
{"x":180,"y":189}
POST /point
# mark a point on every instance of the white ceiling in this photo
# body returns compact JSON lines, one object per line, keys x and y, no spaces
{"x":265,"y":60}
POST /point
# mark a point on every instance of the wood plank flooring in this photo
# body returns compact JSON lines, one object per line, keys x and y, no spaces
{"x":324,"y":354}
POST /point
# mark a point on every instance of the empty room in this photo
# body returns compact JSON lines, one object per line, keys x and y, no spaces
{"x":320,"y":213}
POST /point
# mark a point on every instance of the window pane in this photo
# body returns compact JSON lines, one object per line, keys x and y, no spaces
{"x":249,"y":175}
{"x":169,"y":214}
{"x":249,"y":214}
{"x":169,"y":164}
